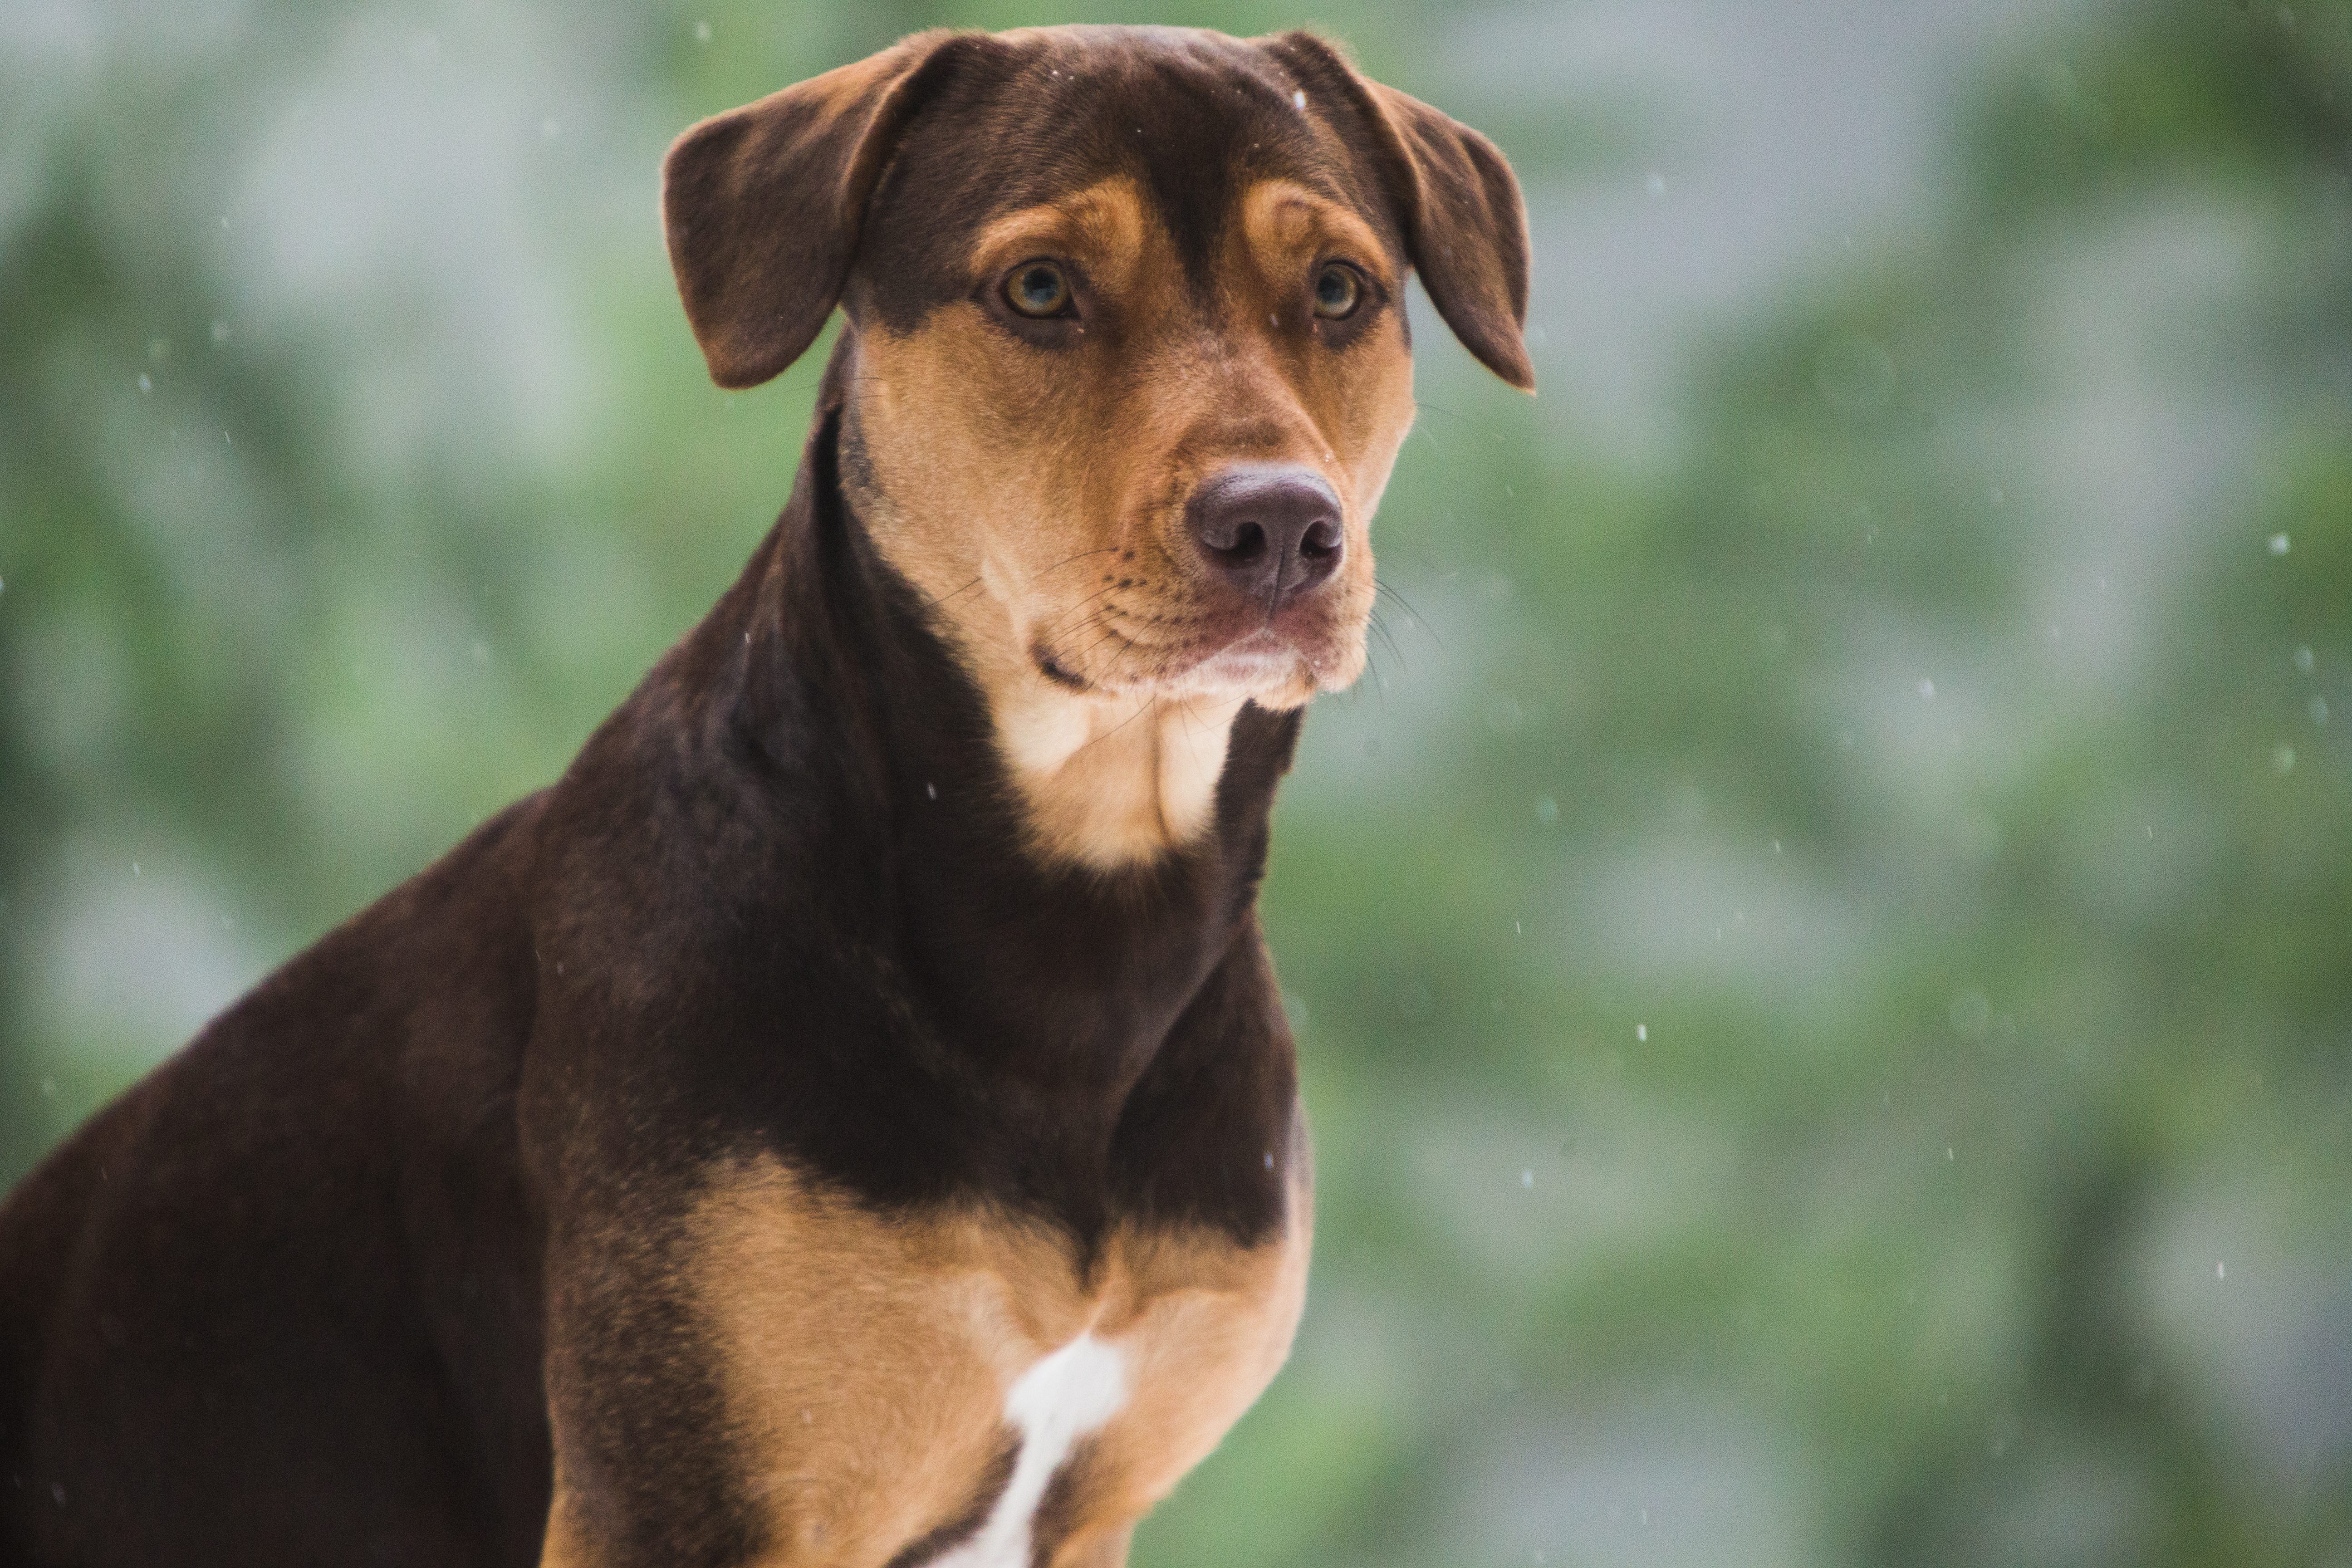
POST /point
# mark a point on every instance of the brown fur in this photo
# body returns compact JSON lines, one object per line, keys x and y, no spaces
{"x":693,"y":1167}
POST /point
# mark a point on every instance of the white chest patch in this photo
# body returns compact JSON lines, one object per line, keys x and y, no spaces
{"x":1057,"y":1402}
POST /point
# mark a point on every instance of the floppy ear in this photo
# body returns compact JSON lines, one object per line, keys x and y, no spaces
{"x":1466,"y":228}
{"x":762,"y":205}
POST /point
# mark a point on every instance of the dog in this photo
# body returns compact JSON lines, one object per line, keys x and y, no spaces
{"x":849,"y":1118}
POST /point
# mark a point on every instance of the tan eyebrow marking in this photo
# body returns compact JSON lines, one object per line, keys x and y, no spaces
{"x":1103,"y":226}
{"x":1285,"y":221}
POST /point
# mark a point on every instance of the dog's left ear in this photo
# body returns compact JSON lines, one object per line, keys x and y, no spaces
{"x":1466,"y":228}
{"x":762,"y":205}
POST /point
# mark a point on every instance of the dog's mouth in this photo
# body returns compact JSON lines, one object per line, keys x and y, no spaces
{"x":1300,"y":649}
{"x":1050,"y":666}
{"x":1267,"y":661}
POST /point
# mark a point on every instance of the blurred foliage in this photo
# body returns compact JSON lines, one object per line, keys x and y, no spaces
{"x":1821,"y":967}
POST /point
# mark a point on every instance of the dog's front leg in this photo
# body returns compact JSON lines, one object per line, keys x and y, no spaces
{"x":759,"y":1369}
{"x":648,"y":1467}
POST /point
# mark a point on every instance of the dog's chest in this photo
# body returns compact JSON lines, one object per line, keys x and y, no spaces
{"x":1067,"y":1397}
{"x":950,"y":1391}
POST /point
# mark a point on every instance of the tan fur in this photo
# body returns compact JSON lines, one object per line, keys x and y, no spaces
{"x":568,"y":1543}
{"x":864,"y":1359}
{"x":1036,"y":498}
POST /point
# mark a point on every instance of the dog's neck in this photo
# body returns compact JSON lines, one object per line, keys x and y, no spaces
{"x":1077,"y":968}
{"x":1107,"y":781}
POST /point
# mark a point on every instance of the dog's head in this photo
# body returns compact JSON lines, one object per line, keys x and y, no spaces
{"x":1129,"y":361}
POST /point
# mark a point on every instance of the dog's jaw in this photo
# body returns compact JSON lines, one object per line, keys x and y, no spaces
{"x":1109,"y":778}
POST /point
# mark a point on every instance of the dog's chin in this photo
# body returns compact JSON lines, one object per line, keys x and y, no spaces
{"x":1280,"y":669}
{"x":1275,"y":668}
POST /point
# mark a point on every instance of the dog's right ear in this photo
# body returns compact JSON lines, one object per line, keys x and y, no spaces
{"x":762,"y":205}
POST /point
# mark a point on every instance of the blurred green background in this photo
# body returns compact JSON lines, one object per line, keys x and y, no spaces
{"x":1823,"y":950}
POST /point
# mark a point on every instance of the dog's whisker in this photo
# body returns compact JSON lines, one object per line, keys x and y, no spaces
{"x":943,"y":598}
{"x":1150,"y":705}
{"x":1387,"y":639}
{"x":1381,"y":585}
{"x":1070,"y":560}
{"x":1093,"y":622}
{"x":1064,"y":622}
{"x":1097,"y":622}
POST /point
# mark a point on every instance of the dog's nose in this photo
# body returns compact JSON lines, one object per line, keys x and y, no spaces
{"x":1272,"y":529}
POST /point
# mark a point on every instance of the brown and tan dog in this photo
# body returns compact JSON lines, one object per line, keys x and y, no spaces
{"x":849,"y":1120}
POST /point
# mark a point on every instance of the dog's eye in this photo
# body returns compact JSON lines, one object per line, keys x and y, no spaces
{"x":1337,"y":291}
{"x":1038,"y":288}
